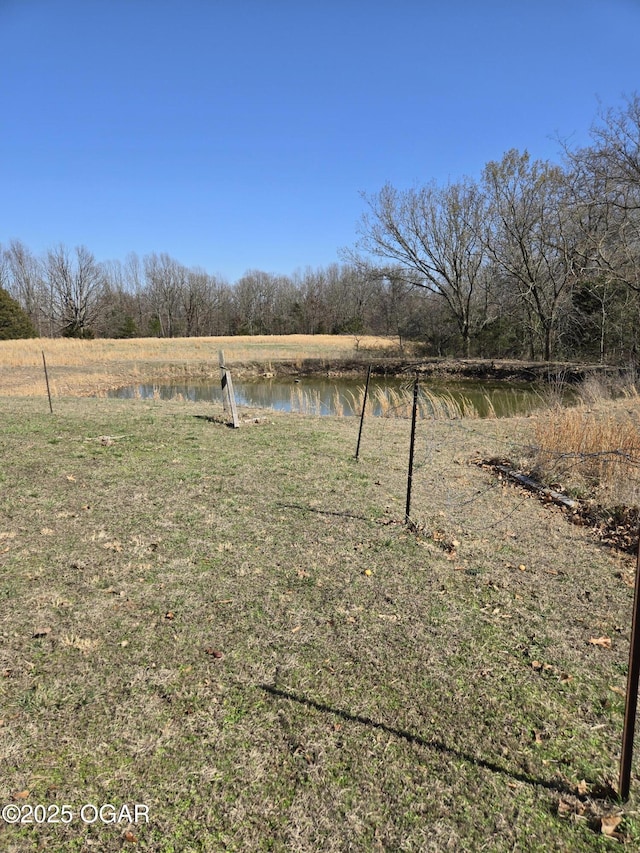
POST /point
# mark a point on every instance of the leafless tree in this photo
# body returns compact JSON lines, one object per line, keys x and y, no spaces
{"x":164,"y":279}
{"x":434,"y":235}
{"x":605,"y":189}
{"x":75,"y":283}
{"x":26,"y":284}
{"x":532,"y":238}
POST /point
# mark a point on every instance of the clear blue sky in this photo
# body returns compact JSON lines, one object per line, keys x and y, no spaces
{"x":238,"y":134}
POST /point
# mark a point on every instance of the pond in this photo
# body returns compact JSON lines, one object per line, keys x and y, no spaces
{"x":388,"y":397}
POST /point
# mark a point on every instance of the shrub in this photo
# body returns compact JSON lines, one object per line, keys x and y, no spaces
{"x":14,"y":323}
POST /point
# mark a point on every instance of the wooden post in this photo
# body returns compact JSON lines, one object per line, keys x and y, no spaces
{"x":228,"y":397}
{"x":631,"y":698}
{"x":46,"y":376}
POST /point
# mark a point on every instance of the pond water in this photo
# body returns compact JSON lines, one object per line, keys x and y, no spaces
{"x":388,"y":397}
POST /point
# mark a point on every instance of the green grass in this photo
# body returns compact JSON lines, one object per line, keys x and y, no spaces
{"x":434,"y":704}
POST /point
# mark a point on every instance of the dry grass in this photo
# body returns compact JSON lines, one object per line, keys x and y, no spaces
{"x":387,"y":402}
{"x":594,"y":449}
{"x":373,"y":690}
{"x":65,"y":352}
{"x":83,"y":368}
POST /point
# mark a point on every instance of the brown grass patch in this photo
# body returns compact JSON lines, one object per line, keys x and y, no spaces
{"x":594,"y":450}
{"x":66,"y":352}
{"x":83,"y":368}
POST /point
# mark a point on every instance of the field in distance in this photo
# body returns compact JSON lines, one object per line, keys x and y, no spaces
{"x":80,"y":367}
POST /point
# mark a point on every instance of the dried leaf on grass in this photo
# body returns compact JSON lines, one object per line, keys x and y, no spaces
{"x":605,"y":642}
{"x":209,"y":650}
{"x":609,"y":824}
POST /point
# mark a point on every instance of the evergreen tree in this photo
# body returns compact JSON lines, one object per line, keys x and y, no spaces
{"x":14,"y":323}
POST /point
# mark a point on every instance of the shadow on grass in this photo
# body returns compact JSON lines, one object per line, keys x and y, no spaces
{"x":334,"y":513}
{"x":556,"y":786}
{"x":215,"y":419}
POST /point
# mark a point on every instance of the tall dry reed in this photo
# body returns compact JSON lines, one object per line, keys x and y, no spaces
{"x":595,"y":451}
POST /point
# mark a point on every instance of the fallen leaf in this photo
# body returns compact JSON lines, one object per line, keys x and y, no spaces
{"x":582,"y":787}
{"x":209,"y":650}
{"x":619,"y":691}
{"x":609,"y":824}
{"x":605,"y":642}
{"x":130,"y":837}
{"x":124,"y":644}
{"x":41,"y":632}
{"x":71,"y":478}
{"x":46,"y":531}
{"x":21,"y":795}
{"x":536,"y":665}
{"x":169,"y":615}
{"x":564,"y":809}
{"x":367,"y":572}
{"x":297,"y":628}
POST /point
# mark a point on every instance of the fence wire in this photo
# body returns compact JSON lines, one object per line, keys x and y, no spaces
{"x":446,"y":495}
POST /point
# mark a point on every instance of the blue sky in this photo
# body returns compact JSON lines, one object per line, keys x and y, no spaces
{"x":239,"y":134}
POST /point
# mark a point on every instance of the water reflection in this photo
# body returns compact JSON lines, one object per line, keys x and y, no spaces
{"x":387,"y":396}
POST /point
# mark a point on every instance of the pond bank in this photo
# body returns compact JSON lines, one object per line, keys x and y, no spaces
{"x":490,"y":370}
{"x":101,"y":376}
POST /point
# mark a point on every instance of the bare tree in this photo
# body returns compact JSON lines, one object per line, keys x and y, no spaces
{"x":27,"y":286}
{"x":165,"y":279}
{"x":75,"y":284}
{"x":435,"y":236}
{"x":532,"y":238}
{"x":605,"y":189}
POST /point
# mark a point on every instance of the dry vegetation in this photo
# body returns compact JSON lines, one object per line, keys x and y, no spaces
{"x":67,"y":352}
{"x":592,"y":449}
{"x":82,"y":368}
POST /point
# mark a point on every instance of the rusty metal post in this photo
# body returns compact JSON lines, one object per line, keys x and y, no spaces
{"x":364,"y":406}
{"x":631,"y":699}
{"x":46,"y":376}
{"x":407,"y":516}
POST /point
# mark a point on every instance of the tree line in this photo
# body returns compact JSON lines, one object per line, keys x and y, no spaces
{"x":534,"y":259}
{"x":69,"y":293}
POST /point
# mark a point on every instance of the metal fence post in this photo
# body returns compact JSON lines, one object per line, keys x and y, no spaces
{"x":407,"y":512}
{"x":631,"y":699}
{"x":364,"y":406}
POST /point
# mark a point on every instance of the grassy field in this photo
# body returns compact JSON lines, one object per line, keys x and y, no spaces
{"x":235,"y":629}
{"x":79,"y":367}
